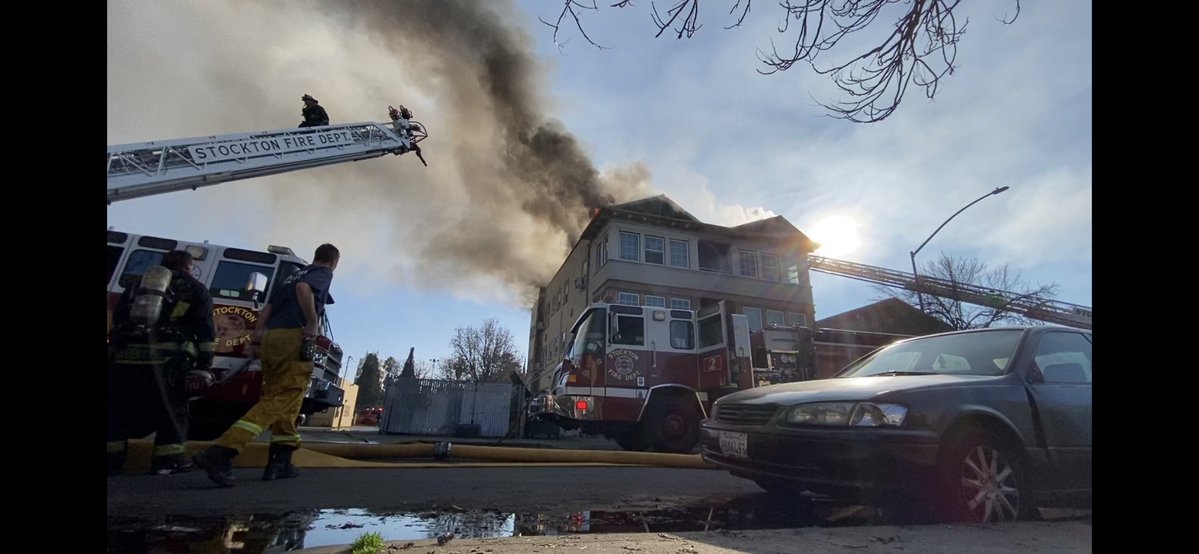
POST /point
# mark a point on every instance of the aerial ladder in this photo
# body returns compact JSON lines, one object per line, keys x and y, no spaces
{"x":149,"y":168}
{"x":1040,"y":309}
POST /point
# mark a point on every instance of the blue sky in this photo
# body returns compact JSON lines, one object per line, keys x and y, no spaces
{"x":426,"y":250}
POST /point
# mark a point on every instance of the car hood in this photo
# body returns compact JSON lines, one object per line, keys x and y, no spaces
{"x":847,"y":389}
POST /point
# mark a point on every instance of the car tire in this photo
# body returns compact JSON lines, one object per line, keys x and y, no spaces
{"x":981,"y":479}
{"x":671,"y":424}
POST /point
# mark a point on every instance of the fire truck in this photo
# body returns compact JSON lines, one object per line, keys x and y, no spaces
{"x":240,"y":280}
{"x":645,"y":376}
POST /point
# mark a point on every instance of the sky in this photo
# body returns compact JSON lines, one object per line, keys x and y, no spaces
{"x":525,"y":135}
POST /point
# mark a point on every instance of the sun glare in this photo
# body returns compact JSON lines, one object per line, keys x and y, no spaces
{"x":837,"y":235}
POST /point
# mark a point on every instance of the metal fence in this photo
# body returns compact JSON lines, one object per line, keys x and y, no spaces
{"x":434,"y":407}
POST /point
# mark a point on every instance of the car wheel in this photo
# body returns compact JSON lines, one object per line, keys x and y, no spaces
{"x":983,"y":480}
{"x":672,"y":425}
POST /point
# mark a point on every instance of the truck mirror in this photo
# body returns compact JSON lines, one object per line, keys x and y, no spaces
{"x":256,"y":286}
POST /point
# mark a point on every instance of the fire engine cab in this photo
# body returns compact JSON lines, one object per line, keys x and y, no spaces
{"x":240,"y":281}
{"x":645,"y":376}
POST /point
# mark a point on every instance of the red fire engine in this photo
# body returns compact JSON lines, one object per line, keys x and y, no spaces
{"x":645,"y":376}
{"x":239,"y":281}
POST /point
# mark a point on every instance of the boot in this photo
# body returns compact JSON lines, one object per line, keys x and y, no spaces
{"x":174,"y":463}
{"x":279,"y":466}
{"x":218,"y":462}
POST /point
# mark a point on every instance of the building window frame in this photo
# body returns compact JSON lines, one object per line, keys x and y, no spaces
{"x":680,"y":304}
{"x":630,"y":250}
{"x":747,"y":263}
{"x":680,"y":257}
{"x":654,"y":256}
{"x":769,"y":264}
{"x":628,"y":298}
{"x":660,"y":301}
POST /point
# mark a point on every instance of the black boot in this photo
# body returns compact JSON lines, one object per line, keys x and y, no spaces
{"x":279,"y":466}
{"x":218,"y":462}
{"x":170,"y":464}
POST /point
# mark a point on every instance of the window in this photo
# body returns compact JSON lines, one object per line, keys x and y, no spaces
{"x":770,"y":267}
{"x":680,"y":304}
{"x":775,"y":317}
{"x":114,"y":257}
{"x":658,"y":301}
{"x":630,"y":330}
{"x":679,"y":254}
{"x":1064,"y":358}
{"x":792,"y":267}
{"x":630,"y":244}
{"x":711,"y":332}
{"x":139,"y":261}
{"x":231,"y":278}
{"x":682,"y":334}
{"x":797,"y":319}
{"x":628,"y":299}
{"x":714,"y":256}
{"x":749,"y":263}
{"x":755,"y":318}
{"x":601,"y":252}
{"x":654,"y":249}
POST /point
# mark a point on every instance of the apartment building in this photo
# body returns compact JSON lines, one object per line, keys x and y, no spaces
{"x":651,"y":252}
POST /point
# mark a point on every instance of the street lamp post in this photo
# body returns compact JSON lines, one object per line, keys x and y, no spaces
{"x":915,"y":276}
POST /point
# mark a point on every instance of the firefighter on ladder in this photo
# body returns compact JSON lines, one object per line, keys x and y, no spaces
{"x":160,"y":352}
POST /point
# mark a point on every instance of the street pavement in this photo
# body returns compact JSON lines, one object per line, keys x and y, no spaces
{"x":1064,"y":531}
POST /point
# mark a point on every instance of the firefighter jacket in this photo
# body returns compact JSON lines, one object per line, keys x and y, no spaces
{"x":184,"y":326}
{"x":314,"y":115}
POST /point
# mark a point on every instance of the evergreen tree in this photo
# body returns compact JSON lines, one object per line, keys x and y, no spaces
{"x":409,"y":371}
{"x":370,"y":389}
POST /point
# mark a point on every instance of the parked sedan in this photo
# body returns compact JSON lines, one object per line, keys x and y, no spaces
{"x":985,"y":425}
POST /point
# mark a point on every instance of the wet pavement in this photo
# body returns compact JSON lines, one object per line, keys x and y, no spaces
{"x":290,"y":530}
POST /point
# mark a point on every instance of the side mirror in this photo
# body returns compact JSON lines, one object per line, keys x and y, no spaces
{"x":256,"y":286}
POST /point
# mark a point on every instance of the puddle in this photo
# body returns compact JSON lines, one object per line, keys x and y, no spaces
{"x":263,"y":533}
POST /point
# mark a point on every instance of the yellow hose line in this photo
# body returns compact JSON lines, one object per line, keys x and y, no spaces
{"x":340,"y":455}
{"x":510,"y":454}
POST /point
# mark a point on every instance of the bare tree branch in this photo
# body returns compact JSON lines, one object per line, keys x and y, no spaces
{"x":970,"y":271}
{"x":920,"y":50}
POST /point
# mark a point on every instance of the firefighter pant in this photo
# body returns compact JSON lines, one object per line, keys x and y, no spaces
{"x":284,"y":379}
{"x":146,"y":396}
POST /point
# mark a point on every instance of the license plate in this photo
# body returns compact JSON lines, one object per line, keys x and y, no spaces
{"x":733,"y":444}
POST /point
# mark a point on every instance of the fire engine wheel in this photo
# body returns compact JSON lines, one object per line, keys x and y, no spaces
{"x":672,"y":425}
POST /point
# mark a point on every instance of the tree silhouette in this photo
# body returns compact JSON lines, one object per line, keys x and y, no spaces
{"x":919,"y":48}
{"x":482,"y":355}
{"x":971,"y":271}
{"x":370,"y":383}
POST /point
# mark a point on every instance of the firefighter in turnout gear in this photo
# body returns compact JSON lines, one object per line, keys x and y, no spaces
{"x":283,"y":338}
{"x":160,"y":350}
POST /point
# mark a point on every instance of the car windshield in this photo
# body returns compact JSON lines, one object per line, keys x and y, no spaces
{"x":974,"y":353}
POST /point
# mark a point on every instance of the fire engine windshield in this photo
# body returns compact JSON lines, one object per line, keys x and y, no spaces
{"x":589,"y":334}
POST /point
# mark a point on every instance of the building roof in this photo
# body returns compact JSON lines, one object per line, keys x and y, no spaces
{"x":887,"y":316}
{"x":664,"y":212}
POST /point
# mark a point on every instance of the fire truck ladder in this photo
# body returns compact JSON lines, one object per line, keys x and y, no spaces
{"x":148,"y":168}
{"x":1051,"y":311}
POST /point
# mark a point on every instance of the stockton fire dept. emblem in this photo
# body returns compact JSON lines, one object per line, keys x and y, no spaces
{"x":622,"y":364}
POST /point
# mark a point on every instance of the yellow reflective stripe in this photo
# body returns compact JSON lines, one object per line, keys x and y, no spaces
{"x":168,"y":449}
{"x":180,"y":309}
{"x":286,"y":438}
{"x":247,"y":426}
{"x":208,"y":346}
{"x":116,"y":446}
{"x":188,"y":348}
